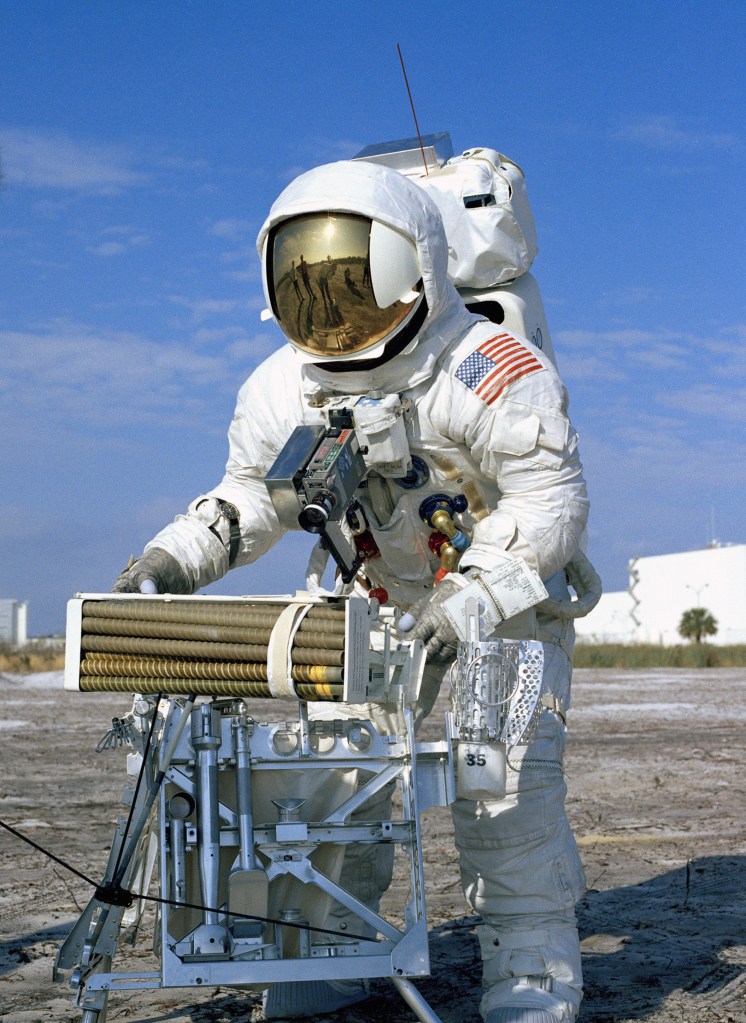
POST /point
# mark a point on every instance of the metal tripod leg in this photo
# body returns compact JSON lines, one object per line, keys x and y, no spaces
{"x":414,"y":1000}
{"x":95,"y":1011}
{"x":95,"y":941}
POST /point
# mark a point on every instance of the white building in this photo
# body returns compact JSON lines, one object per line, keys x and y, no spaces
{"x":13,"y":622}
{"x":661,"y":588}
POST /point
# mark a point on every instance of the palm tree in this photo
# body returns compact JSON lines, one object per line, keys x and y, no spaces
{"x":696,"y":623}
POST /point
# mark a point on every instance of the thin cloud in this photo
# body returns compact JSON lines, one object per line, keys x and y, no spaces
{"x":245,"y":254}
{"x":232,"y":228}
{"x":242,"y":276}
{"x":326,"y":150}
{"x":107,"y":249}
{"x":589,"y":367}
{"x":71,"y":376}
{"x":709,"y":400}
{"x":640,"y":459}
{"x":629,"y":337}
{"x":666,"y":133}
{"x":133,"y":235}
{"x":629,"y":296}
{"x":127,"y":238}
{"x":54,"y":161}
{"x":663,"y":356}
{"x":207,"y":308}
{"x":217,"y":335}
{"x":698,"y":376}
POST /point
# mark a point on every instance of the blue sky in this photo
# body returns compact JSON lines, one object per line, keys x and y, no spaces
{"x":143,"y":142}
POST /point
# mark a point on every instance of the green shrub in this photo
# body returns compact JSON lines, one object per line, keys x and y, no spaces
{"x":651,"y":655}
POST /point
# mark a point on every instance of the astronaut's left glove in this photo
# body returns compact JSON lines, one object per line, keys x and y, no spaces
{"x":156,"y":571}
{"x":426,"y":620}
{"x":586,"y":582}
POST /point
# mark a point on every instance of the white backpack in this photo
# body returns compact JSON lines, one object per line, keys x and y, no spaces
{"x":482,"y":198}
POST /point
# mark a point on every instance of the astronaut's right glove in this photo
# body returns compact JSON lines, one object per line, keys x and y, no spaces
{"x":426,"y":620}
{"x":156,"y":571}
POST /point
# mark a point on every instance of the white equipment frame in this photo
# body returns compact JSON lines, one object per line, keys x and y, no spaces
{"x":221,"y":850}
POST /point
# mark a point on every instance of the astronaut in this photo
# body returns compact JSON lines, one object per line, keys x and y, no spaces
{"x":488,"y":420}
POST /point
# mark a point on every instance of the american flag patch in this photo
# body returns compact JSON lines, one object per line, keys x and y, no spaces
{"x":495,"y":365}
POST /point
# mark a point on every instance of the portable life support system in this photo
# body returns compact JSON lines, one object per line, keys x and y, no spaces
{"x":483,"y":201}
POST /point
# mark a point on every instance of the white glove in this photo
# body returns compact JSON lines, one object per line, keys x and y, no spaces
{"x":156,"y":571}
{"x":426,"y":620}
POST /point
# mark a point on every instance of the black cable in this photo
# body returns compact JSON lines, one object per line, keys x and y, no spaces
{"x":116,"y":882}
{"x":117,"y":896}
{"x":140,"y":776}
{"x":248,"y":916}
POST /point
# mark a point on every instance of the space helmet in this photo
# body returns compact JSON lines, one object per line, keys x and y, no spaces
{"x":354,"y":260}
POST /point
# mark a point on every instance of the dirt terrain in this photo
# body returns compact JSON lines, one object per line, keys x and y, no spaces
{"x":656,"y":798}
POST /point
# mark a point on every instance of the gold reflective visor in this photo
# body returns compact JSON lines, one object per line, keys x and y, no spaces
{"x":321,"y":287}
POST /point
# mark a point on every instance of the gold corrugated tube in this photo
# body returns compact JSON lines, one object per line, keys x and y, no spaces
{"x":319,"y":692}
{"x":174,"y":648}
{"x":140,"y":667}
{"x":175,"y":630}
{"x":202,"y":687}
{"x":315,"y":673}
{"x":333,"y":636}
{"x":152,"y":667}
{"x":320,"y":640}
{"x":204,"y":651}
{"x":306,"y":655}
{"x":174,"y":686}
{"x":214,"y":613}
{"x":332,"y":626}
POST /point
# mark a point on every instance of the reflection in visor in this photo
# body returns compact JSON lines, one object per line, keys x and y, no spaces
{"x":321,"y":286}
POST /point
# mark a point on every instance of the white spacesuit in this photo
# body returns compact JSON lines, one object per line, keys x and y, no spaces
{"x":487,"y":420}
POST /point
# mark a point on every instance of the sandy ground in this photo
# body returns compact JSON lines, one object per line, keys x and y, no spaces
{"x":656,"y":799}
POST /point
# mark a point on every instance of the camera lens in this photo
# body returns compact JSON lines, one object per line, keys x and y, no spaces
{"x":315,"y":515}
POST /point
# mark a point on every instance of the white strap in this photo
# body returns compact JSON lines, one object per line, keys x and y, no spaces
{"x":279,"y":663}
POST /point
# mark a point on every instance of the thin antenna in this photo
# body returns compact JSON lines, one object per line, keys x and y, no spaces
{"x":411,"y":103}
